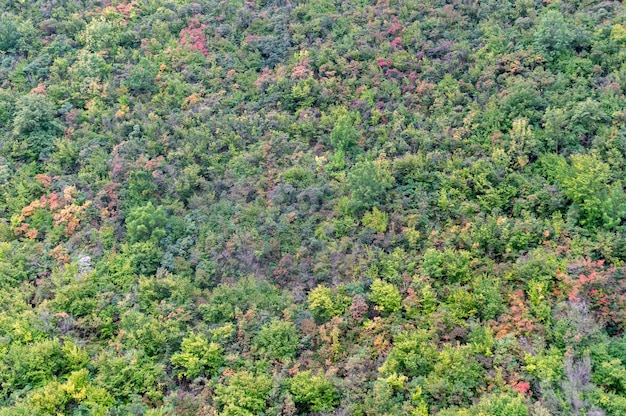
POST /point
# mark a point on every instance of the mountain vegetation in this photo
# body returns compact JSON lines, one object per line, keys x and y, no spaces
{"x":287,"y":207}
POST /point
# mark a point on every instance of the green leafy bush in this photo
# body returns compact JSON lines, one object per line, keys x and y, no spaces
{"x":129,"y":374}
{"x":376,"y":219}
{"x":76,"y":392}
{"x":246,"y":294}
{"x":31,"y":365}
{"x":344,"y":135}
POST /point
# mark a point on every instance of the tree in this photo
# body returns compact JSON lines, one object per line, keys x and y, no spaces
{"x":9,"y":35}
{"x":100,"y":34}
{"x":413,"y":354}
{"x":376,"y":220}
{"x":277,"y":340}
{"x":245,"y":295}
{"x":369,"y":183}
{"x":327,"y":303}
{"x":386,"y":296}
{"x":553,"y":34}
{"x":501,"y":404}
{"x":586,"y":182}
{"x":198,"y":357}
{"x":244,"y":394}
{"x":77,"y":391}
{"x":456,"y":377}
{"x":142,"y":76}
{"x":145,"y":256}
{"x":32,"y":365}
{"x":34,"y":127}
{"x":146,"y":223}
{"x":344,"y":135}
{"x":313,"y":393}
{"x":129,"y":374}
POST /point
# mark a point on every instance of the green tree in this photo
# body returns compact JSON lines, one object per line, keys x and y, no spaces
{"x":33,"y":365}
{"x":277,"y":340}
{"x":34,"y":113}
{"x":141,"y":77}
{"x":547,"y":366}
{"x":145,"y":256}
{"x":413,"y":354}
{"x":34,"y":127}
{"x":327,"y":303}
{"x":129,"y":374}
{"x":100,"y":34}
{"x":376,"y":219}
{"x":586,"y":182}
{"x":89,"y":66}
{"x":386,"y":296}
{"x":502,"y":404}
{"x":146,"y":223}
{"x":76,"y":392}
{"x":369,"y":183}
{"x":9,"y":34}
{"x":344,"y":135}
{"x":246,"y":294}
{"x":487,"y":297}
{"x":457,"y":377}
{"x":313,"y":393}
{"x":553,"y":34}
{"x":244,"y":394}
{"x":198,"y":357}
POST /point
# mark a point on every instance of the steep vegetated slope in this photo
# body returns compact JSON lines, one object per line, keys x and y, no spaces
{"x":291,"y":207}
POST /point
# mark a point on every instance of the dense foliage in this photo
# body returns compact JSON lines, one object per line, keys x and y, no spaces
{"x":292,"y":207}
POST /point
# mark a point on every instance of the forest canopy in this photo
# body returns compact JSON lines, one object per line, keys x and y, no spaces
{"x":287,"y":207}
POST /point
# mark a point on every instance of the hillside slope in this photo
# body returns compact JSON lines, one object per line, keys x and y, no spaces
{"x":295,"y":207}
